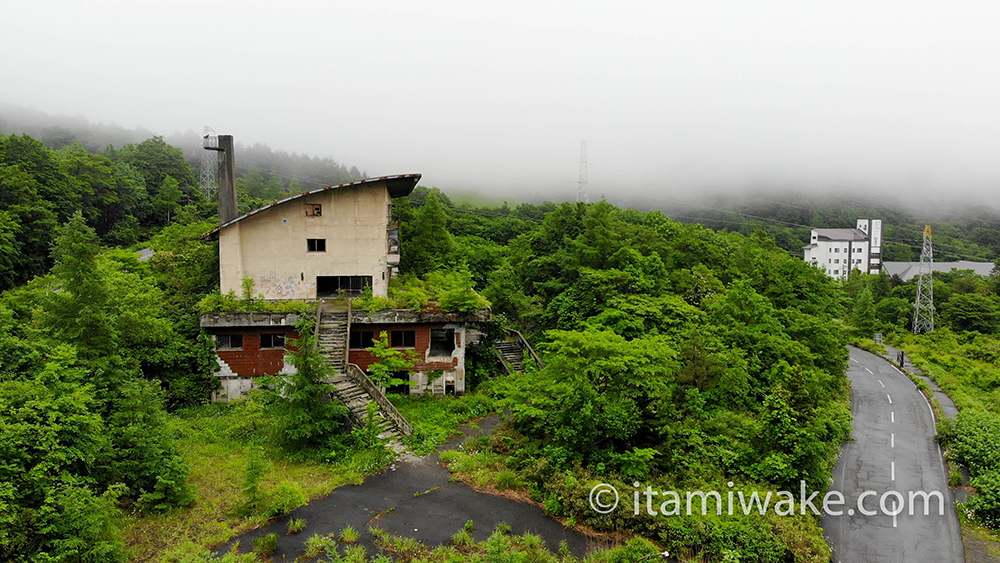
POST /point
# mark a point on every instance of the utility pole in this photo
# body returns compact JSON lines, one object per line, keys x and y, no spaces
{"x":583,"y":187}
{"x":923,"y":308}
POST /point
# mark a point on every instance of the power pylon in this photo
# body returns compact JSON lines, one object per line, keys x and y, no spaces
{"x":923,"y":308}
{"x":210,"y":163}
{"x":583,"y":187}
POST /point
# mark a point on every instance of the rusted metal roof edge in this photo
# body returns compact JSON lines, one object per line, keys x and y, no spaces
{"x":213,"y":234}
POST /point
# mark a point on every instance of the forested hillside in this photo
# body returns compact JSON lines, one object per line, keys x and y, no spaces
{"x":270,"y":173}
{"x":962,"y":231}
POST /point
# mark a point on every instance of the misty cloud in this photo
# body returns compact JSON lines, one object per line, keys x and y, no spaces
{"x":670,"y":98}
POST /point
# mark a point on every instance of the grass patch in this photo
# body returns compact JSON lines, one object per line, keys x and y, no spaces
{"x":296,"y":525}
{"x":435,"y":419}
{"x":218,"y":440}
{"x":348,"y":535}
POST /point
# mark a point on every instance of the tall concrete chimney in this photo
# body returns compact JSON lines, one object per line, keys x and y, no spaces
{"x":228,"y":210}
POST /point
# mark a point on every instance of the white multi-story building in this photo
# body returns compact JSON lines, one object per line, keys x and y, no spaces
{"x":839,"y":251}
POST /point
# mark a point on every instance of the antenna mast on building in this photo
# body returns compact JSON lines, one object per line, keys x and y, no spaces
{"x":583,"y":187}
{"x":210,"y":162}
{"x":923,"y":309}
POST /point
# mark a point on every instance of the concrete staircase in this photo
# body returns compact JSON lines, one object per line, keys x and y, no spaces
{"x":512,"y":351}
{"x":351,"y":386}
{"x":512,"y":355}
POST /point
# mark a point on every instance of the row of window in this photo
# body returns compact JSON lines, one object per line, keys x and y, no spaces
{"x":361,"y":339}
{"x":856,"y":250}
{"x":235,"y":341}
{"x":442,"y":340}
{"x":846,"y":261}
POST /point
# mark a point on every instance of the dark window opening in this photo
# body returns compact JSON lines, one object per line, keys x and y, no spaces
{"x":316,"y":244}
{"x":442,"y":342}
{"x":403,"y":338}
{"x":314,"y":210}
{"x":328,"y":286}
{"x":404,"y":387}
{"x":449,"y":388}
{"x":229,"y":342}
{"x":361,"y":339}
{"x":272,"y":340}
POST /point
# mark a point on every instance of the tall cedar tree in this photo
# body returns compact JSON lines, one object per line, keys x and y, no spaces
{"x":432,"y":244}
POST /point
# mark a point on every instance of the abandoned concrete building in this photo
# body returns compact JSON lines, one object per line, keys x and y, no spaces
{"x":325,"y":246}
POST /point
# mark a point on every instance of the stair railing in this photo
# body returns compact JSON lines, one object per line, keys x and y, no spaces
{"x":363,"y":381}
{"x":347,"y":339}
{"x":523,"y":343}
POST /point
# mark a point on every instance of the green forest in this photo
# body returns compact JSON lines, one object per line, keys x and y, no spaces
{"x":682,"y":354}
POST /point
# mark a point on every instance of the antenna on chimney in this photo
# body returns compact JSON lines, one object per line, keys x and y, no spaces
{"x":210,"y":162}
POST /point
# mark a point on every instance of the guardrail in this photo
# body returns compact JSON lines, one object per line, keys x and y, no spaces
{"x":523,"y":343}
{"x":359,"y":377}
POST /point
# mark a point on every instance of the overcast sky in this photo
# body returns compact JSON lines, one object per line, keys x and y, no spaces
{"x":670,"y":96}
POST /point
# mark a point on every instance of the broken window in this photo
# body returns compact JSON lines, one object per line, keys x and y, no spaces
{"x":327,"y":286}
{"x":403,"y":338}
{"x":316,"y":244}
{"x":314,"y":210}
{"x":272,"y":340}
{"x":442,"y":342}
{"x":229,"y":342}
{"x":361,"y":339}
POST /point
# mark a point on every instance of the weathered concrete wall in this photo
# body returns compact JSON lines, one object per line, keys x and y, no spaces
{"x":270,"y":247}
{"x":211,"y":321}
{"x":403,"y":316}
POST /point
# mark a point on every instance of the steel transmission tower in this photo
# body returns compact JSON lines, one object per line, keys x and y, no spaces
{"x":923,"y":309}
{"x":583,"y":187}
{"x":210,"y":163}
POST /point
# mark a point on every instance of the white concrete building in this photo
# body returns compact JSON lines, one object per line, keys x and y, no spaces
{"x":329,"y":241}
{"x":839,"y":251}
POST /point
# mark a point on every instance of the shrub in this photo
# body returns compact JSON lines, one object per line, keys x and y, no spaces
{"x":265,"y":545}
{"x":507,"y":479}
{"x":317,"y":545}
{"x":986,"y":504}
{"x":355,"y":554}
{"x":463,"y":539}
{"x":349,"y":535}
{"x":469,"y":526}
{"x":976,"y":443}
{"x":296,"y":525}
{"x":284,"y":498}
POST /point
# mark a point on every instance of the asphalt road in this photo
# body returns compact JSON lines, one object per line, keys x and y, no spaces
{"x":893,"y":449}
{"x":414,"y":498}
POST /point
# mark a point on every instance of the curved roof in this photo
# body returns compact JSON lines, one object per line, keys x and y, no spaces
{"x":400,"y":185}
{"x":840,"y":235}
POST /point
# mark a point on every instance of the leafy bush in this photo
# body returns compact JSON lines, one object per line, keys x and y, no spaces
{"x":462,"y":539}
{"x":265,"y":545}
{"x":296,"y":525}
{"x":986,"y":504}
{"x":349,"y":535}
{"x":284,"y":498}
{"x":317,"y":545}
{"x":976,"y":441}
